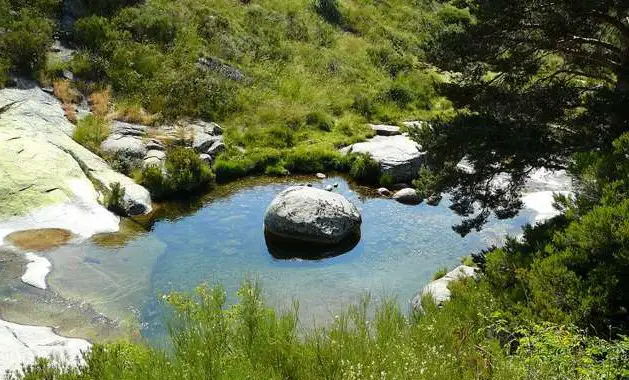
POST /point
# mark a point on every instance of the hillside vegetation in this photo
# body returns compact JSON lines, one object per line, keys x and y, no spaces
{"x":532,"y":83}
{"x":282,"y":76}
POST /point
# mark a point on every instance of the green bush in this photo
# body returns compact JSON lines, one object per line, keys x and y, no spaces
{"x":25,"y":41}
{"x":364,"y":169}
{"x":313,"y":160}
{"x":440,"y":273}
{"x":90,"y":132}
{"x":184,"y":173}
{"x":214,"y":339}
{"x":114,"y":199}
{"x":320,"y":120}
{"x":94,"y":33}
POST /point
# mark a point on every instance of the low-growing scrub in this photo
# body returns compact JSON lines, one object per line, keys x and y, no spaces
{"x":114,"y":199}
{"x":364,"y":169}
{"x":91,"y":131}
{"x":183,"y":173}
{"x":466,"y":339}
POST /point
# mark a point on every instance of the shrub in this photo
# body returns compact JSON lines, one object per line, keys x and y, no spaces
{"x":132,"y":112}
{"x":363,"y":105}
{"x":124,"y":162}
{"x":279,"y":137}
{"x":93,"y":33}
{"x":440,"y":273}
{"x":25,"y":41}
{"x":313,"y":160}
{"x":114,"y":199}
{"x":90,"y":132}
{"x":99,"y":102}
{"x":364,"y":169}
{"x":184,"y":173}
{"x":320,"y":120}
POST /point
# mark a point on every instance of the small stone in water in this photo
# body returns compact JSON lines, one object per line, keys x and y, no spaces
{"x":321,"y":176}
{"x":336,"y":185}
{"x":329,"y":188}
{"x":309,"y":184}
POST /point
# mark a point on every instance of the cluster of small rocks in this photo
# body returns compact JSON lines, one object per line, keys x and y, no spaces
{"x":207,"y":139}
{"x":132,"y":141}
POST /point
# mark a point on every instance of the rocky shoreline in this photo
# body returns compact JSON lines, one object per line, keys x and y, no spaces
{"x":51,"y":182}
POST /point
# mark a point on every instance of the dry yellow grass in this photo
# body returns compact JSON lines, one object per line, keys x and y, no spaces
{"x":70,"y":112}
{"x":99,"y":102}
{"x":132,"y":113}
{"x":63,"y":91}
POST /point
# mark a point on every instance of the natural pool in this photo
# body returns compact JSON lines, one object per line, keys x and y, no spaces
{"x":220,"y":239}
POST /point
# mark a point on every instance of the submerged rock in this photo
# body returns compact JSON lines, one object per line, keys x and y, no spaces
{"x":407,"y":196}
{"x":312,"y":215}
{"x":399,"y":157}
{"x":39,"y":240}
{"x":37,"y":270}
{"x":438,"y":290}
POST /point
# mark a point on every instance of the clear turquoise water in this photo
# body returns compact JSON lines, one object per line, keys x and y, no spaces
{"x":223,"y":242}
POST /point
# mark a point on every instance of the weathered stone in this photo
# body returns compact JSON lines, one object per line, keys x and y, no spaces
{"x":216,"y":65}
{"x":22,"y":344}
{"x":438,"y":290}
{"x":154,"y":158}
{"x":154,"y":144}
{"x":385,"y":130}
{"x":399,"y":157}
{"x":383,"y":191}
{"x":123,"y":144}
{"x":329,"y":188}
{"x":206,"y":157}
{"x":407,"y":196}
{"x":43,"y":166}
{"x":321,"y":176}
{"x":312,"y":215}
{"x":127,"y":129}
{"x":217,"y":148}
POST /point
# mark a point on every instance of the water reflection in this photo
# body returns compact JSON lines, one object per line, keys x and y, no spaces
{"x":283,"y":249}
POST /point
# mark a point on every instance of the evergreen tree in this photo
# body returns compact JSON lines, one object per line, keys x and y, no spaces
{"x":536,"y":81}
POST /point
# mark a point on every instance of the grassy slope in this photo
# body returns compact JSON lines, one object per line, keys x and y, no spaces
{"x":310,"y":82}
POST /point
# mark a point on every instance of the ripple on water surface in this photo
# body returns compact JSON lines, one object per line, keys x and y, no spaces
{"x":221,"y":240}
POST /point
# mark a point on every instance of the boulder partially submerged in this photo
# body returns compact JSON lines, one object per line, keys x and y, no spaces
{"x":400,"y":158}
{"x":407,"y":196}
{"x":306,"y":214}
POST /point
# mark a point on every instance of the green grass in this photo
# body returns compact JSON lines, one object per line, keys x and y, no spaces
{"x":315,"y":73}
{"x":184,"y":173}
{"x":440,"y":273}
{"x":466,"y":339}
{"x":90,"y":132}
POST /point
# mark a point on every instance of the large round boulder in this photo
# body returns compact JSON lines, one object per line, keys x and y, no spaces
{"x":307,"y":214}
